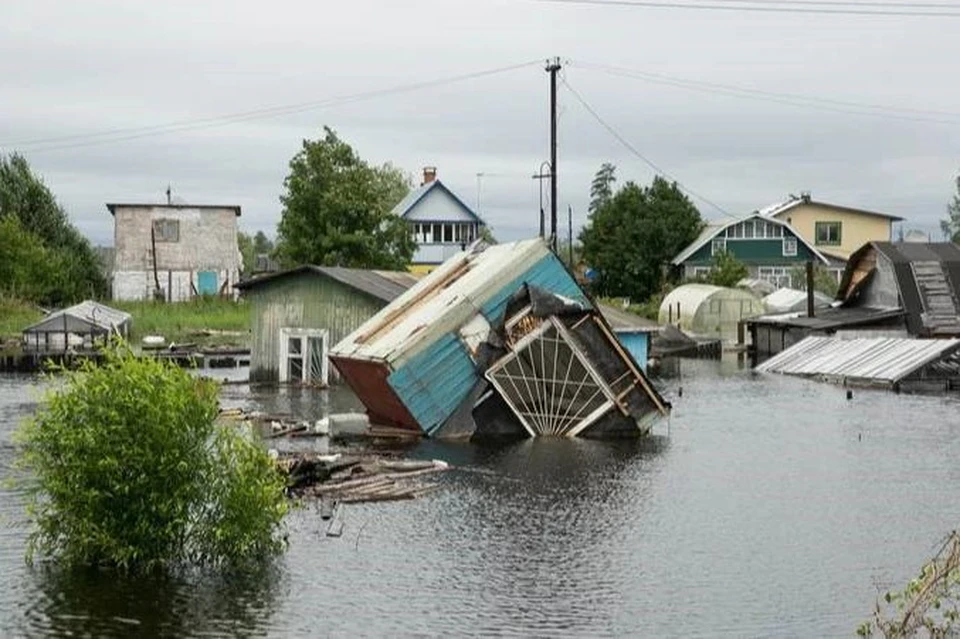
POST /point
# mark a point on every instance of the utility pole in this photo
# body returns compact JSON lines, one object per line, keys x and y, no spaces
{"x":570,"y":233}
{"x":553,"y":66}
{"x":541,"y":176}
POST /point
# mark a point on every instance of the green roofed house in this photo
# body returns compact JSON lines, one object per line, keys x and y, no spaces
{"x":770,"y":248}
{"x":298,"y":314}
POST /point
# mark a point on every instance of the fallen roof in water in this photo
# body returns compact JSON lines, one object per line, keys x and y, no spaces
{"x":874,"y":361}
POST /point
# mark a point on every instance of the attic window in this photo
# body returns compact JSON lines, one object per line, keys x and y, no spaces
{"x":789,"y":246}
{"x":165,"y":230}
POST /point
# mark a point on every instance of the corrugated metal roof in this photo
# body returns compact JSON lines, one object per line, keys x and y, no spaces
{"x":87,"y":314}
{"x":881,"y":359}
{"x":832,"y":318}
{"x":383,"y":285}
{"x":453,"y":293}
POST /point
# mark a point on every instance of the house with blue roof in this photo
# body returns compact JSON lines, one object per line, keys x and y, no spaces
{"x":441,"y":223}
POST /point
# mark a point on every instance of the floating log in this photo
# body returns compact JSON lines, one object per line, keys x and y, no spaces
{"x":287,"y":431}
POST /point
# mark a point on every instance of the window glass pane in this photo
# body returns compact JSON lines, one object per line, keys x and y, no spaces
{"x":295,"y":370}
{"x":294,"y":346}
{"x":448,"y":232}
{"x":748,"y":230}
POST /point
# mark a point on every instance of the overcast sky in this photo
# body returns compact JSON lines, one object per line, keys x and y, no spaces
{"x":81,"y":68}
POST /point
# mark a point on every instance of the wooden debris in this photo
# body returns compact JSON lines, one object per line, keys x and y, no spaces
{"x":336,"y":480}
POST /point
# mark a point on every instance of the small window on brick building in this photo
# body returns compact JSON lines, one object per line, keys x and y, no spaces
{"x":166,"y":230}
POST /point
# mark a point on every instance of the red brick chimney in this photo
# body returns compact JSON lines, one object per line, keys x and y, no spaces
{"x":429,"y":174}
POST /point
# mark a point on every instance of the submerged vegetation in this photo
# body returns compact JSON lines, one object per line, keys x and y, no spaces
{"x":130,"y":471}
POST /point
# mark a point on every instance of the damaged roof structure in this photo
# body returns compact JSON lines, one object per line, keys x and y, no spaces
{"x":909,"y":289}
{"x":498,"y":340}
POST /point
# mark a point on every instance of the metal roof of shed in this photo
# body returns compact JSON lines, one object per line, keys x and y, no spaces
{"x":881,"y":359}
{"x":87,"y":316}
{"x":383,"y":285}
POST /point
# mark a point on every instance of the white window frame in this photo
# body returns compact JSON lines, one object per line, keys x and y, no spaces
{"x":787,"y":242}
{"x":699,"y":271}
{"x":305,"y":335}
{"x":715,"y":242}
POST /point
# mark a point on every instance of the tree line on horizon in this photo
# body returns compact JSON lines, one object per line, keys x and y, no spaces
{"x":336,"y":211}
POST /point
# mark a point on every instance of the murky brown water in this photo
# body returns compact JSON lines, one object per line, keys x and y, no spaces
{"x":762,"y":515}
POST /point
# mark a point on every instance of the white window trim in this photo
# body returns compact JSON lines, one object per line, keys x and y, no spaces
{"x":789,"y":240}
{"x":284,"y":354}
{"x":718,"y":241}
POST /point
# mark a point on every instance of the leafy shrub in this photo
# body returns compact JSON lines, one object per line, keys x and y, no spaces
{"x":131,"y":471}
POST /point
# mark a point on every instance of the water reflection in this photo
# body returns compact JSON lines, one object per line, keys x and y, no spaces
{"x":88,"y":602}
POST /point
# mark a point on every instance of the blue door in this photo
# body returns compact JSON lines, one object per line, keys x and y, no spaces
{"x":207,"y":282}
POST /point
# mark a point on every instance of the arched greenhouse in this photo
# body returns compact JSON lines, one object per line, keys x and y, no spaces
{"x":709,"y":311}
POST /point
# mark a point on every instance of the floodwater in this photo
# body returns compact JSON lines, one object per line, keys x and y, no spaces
{"x":774,"y":508}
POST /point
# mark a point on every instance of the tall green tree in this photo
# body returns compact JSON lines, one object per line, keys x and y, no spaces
{"x":631,"y":238}
{"x":951,"y":225}
{"x":337,"y":209}
{"x":25,"y":197}
{"x":601,"y":189}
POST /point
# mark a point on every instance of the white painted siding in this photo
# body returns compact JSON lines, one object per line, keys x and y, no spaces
{"x":438,"y":206}
{"x":435,"y":253}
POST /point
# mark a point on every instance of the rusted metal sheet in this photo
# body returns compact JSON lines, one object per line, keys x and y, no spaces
{"x":370,"y":381}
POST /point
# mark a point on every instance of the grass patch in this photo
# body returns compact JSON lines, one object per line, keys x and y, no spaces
{"x":184,"y":322}
{"x":16,"y":315}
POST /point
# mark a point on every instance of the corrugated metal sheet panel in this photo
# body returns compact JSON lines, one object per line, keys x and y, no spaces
{"x":881,"y":359}
{"x":432,"y":384}
{"x":442,"y":300}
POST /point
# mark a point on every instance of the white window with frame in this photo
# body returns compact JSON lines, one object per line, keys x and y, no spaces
{"x":303,"y":356}
{"x":779,"y":276}
{"x":718,"y":245}
{"x":789,"y":246}
{"x":700,"y":271}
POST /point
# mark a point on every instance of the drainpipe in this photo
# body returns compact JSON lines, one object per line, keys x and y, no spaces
{"x":810,"y":312}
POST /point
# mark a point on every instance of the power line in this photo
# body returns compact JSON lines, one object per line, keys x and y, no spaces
{"x":635,"y":152}
{"x":757,"y":6}
{"x":789,"y":99}
{"x":131,"y":133}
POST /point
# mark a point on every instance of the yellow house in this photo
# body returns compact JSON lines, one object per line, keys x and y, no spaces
{"x":835,"y":231}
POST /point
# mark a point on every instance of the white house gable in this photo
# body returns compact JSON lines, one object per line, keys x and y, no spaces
{"x":438,"y":205}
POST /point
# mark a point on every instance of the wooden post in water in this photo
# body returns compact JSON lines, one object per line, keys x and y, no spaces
{"x":810,"y":312}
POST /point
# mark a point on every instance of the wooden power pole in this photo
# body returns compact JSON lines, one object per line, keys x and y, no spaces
{"x":553,"y":66}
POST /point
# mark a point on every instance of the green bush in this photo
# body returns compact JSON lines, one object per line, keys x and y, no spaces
{"x":130,"y":471}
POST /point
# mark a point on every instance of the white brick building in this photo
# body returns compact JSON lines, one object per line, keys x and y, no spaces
{"x":181,"y":249}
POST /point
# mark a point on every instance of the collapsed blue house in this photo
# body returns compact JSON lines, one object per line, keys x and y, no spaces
{"x":498,"y":340}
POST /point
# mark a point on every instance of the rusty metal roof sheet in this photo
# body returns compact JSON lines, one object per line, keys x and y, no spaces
{"x":876,"y":358}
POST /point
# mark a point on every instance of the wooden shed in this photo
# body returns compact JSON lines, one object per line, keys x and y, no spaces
{"x":296,"y":315}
